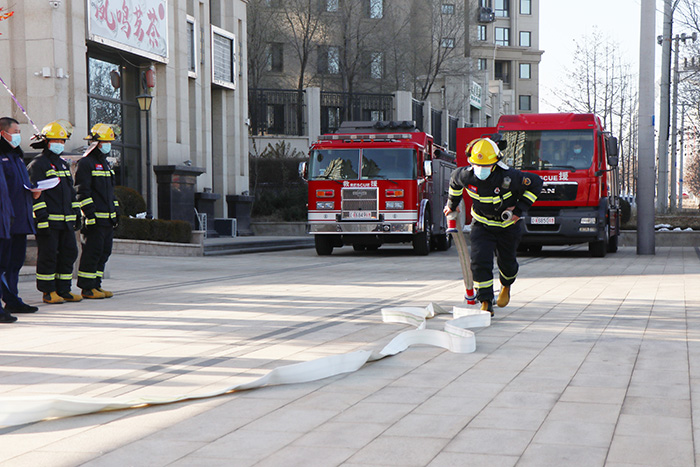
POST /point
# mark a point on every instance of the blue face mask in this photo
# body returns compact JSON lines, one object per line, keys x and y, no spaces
{"x":482,"y":173}
{"x":16,"y":139}
{"x":105,"y":148}
{"x":56,"y":148}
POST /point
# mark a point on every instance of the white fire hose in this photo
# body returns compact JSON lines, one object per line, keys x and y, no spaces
{"x":454,"y":228}
{"x":456,"y":337}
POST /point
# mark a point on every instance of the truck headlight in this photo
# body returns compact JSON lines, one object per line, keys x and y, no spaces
{"x":588,"y":220}
{"x":324,"y":205}
{"x":396,"y":205}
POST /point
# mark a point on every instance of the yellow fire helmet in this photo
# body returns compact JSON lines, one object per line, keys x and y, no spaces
{"x":484,"y":152}
{"x":101,"y":132}
{"x":58,"y":129}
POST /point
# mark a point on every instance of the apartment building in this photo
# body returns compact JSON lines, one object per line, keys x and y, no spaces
{"x":504,"y":46}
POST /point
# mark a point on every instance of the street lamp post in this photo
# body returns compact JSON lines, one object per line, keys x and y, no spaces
{"x":145,"y":101}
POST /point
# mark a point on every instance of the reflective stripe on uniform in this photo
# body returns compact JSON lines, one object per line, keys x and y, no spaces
{"x":530,"y":195}
{"x":41,"y":205}
{"x":64,"y":277}
{"x":87,"y":275}
{"x":101,"y":173}
{"x":506,"y":277}
{"x":454,"y":192}
{"x":85,"y":202}
{"x":42,"y":225}
{"x":99,"y":273}
{"x":491,"y":223}
{"x":45,"y":277}
{"x":489,"y":199}
{"x":483,"y":285}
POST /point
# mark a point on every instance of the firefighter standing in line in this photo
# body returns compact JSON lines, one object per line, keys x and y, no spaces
{"x":499,"y":196}
{"x":56,"y":214}
{"x":13,"y":253}
{"x":94,"y":182}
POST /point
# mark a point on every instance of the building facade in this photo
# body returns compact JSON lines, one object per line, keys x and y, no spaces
{"x":86,"y":61}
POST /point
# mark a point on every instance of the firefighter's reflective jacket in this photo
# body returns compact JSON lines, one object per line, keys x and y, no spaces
{"x":505,"y":187}
{"x":57,"y":207}
{"x":94,"y":181}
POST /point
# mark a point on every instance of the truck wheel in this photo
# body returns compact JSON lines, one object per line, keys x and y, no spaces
{"x":443,"y":241}
{"x":324,"y":245}
{"x":422,"y":240}
{"x":599,"y":248}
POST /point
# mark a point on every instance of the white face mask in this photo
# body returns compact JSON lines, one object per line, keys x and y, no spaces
{"x":482,"y":173}
{"x":56,"y":148}
{"x":14,"y":139}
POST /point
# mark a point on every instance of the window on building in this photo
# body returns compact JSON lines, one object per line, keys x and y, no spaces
{"x":329,"y":60}
{"x":501,"y":70}
{"x":448,"y":8}
{"x":191,"y":47}
{"x":332,"y":5}
{"x":525,"y":102}
{"x":502,"y":36}
{"x":375,"y":8}
{"x":481,"y":64}
{"x":275,"y":57}
{"x":376,"y":65}
{"x":525,"y":7}
{"x":485,"y":3}
{"x":448,"y":43}
{"x":525,"y":71}
{"x":223,"y":57}
{"x":481,"y":32}
{"x":525,"y":39}
{"x":502,"y":8}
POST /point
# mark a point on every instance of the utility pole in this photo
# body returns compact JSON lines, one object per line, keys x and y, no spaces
{"x":645,"y":137}
{"x":680,"y":177}
{"x":665,"y":42}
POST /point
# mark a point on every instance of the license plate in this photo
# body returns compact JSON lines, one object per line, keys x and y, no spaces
{"x":542,"y":220}
{"x":360,"y":215}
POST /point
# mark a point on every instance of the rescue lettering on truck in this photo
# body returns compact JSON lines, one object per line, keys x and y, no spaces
{"x":577,"y":160}
{"x":372,"y":183}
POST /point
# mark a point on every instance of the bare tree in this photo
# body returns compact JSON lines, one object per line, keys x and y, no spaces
{"x":437,"y":38}
{"x":262,"y":31}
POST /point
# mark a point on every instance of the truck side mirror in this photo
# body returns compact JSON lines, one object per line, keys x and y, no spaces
{"x":611,"y":147}
{"x":428,"y":168}
{"x":303,"y":170}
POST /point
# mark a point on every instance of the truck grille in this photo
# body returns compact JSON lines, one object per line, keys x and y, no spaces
{"x":359,"y":204}
{"x":558,"y":191}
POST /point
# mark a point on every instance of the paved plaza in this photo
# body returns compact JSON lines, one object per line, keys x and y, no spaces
{"x":596,"y":362}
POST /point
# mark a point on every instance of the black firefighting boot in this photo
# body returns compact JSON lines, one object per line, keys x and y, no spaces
{"x":487,"y":306}
{"x":504,"y":296}
{"x":70,"y":296}
{"x":92,"y":293}
{"x":53,"y":297}
{"x":107,"y":293}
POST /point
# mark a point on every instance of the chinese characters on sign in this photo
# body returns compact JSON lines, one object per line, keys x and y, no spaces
{"x":140,"y":26}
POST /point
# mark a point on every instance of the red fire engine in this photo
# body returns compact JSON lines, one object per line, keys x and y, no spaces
{"x":372,"y":183}
{"x":577,"y":160}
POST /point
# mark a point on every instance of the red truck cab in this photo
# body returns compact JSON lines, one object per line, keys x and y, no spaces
{"x":372,"y":183}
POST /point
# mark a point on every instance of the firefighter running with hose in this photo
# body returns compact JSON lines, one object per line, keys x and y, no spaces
{"x":500,"y":195}
{"x":94,"y":182}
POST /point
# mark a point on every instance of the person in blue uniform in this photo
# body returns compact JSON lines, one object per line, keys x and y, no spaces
{"x":13,"y":253}
{"x":500,"y":195}
{"x":6,"y":214}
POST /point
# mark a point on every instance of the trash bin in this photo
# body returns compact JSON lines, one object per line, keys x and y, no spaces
{"x":239,"y":207}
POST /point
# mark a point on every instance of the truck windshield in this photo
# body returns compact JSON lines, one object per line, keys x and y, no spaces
{"x":343,"y":164}
{"x":549,"y":149}
{"x":388,"y":163}
{"x":334,"y":164}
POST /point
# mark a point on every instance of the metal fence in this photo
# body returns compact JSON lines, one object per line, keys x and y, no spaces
{"x":417,"y":111}
{"x":436,"y":125}
{"x":276,"y":112}
{"x":337,"y":107}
